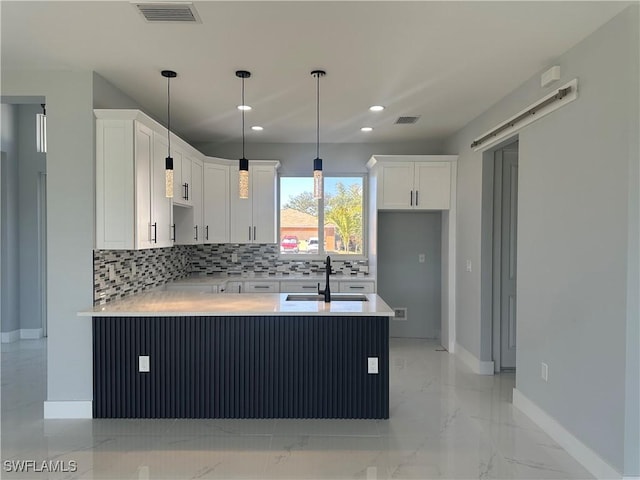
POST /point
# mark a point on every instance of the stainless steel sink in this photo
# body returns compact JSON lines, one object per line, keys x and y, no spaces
{"x":336,"y":297}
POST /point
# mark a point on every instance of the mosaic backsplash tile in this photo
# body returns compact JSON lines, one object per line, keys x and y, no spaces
{"x":119,"y":273}
{"x":263,"y":258}
{"x":134,"y":271}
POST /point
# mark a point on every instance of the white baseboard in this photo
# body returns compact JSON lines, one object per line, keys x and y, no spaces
{"x":68,"y":409}
{"x":30,"y":333}
{"x":10,"y":337}
{"x":478,"y":366}
{"x":574,"y":447}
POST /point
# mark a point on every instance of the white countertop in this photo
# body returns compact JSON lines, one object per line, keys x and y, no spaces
{"x":176,"y":304}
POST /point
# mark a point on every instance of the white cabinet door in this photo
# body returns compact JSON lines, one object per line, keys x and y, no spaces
{"x":196,"y":196}
{"x":264,"y":204}
{"x":115,"y":184}
{"x":161,"y":207}
{"x":395,"y":187}
{"x":432,"y":185}
{"x":143,"y":161}
{"x":181,"y":177}
{"x":253,"y":220}
{"x":216,"y":203}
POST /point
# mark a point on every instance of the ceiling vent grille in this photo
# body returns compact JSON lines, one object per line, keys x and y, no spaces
{"x":407,"y":120}
{"x":182,"y":12}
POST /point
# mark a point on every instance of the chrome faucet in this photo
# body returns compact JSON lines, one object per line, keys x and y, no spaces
{"x":327,"y":290}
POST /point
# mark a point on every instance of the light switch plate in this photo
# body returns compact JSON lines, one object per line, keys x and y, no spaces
{"x":468,"y":265}
{"x":544,"y":371}
{"x":372,"y":365}
{"x":421,"y":258}
{"x":143,"y":363}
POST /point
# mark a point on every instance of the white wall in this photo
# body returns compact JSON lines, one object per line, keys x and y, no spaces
{"x":578,"y":239}
{"x":297,"y":158}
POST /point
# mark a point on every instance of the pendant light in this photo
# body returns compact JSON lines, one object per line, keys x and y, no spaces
{"x":243,"y":179}
{"x":168,"y":162}
{"x":41,"y":130}
{"x":317,"y":162}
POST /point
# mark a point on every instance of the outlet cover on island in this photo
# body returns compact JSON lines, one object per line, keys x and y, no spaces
{"x":372,"y":365}
{"x":143,"y":363}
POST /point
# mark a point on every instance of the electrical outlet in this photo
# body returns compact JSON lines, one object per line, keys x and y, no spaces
{"x":544,"y":371}
{"x":143,"y":363}
{"x":234,"y":257}
{"x":421,"y":258}
{"x":372,"y":365}
{"x":468,"y":265}
{"x":112,"y":273}
{"x":134,"y":269}
{"x":372,"y":473}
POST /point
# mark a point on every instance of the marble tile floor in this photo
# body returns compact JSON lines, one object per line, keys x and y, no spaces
{"x":446,"y":422}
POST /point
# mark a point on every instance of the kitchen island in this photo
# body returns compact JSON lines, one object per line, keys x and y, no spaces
{"x":240,"y":356}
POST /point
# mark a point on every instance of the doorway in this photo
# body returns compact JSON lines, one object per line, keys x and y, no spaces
{"x":505,"y":247}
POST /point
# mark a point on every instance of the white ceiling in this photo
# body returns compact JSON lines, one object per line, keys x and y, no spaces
{"x":444,"y":61}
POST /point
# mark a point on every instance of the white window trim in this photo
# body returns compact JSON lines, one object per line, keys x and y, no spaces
{"x":365,"y":222}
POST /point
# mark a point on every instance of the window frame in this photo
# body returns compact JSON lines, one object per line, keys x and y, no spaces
{"x":321,"y":255}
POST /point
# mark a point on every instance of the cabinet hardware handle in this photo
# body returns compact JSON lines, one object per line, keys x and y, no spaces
{"x":356,"y":287}
{"x":249,"y":232}
{"x":187,"y":192}
{"x":206,"y":232}
{"x":173,"y":229}
{"x":155,"y":232}
{"x":411,"y":198}
{"x":417,"y":197}
{"x":240,"y":288}
{"x":261,"y":286}
{"x":196,"y":237}
{"x":254,"y":232}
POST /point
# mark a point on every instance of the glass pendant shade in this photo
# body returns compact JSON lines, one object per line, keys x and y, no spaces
{"x":317,"y":178}
{"x":243,"y":181}
{"x":41,"y":131}
{"x":168,"y":177}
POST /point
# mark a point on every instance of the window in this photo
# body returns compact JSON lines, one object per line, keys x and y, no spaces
{"x":333,"y":225}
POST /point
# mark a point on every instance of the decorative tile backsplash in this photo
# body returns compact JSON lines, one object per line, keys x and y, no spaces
{"x":119,"y":273}
{"x":263,"y":258}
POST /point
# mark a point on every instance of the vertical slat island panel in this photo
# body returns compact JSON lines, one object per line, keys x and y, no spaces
{"x":241,"y":367}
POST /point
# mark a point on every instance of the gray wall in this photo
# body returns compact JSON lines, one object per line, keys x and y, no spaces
{"x":578,"y":239}
{"x":402,"y":280}
{"x":106,"y":95}
{"x":297,"y":158}
{"x":9,"y":220}
{"x":30,"y":164}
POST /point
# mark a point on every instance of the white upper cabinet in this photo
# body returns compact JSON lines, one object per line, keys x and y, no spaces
{"x":216,"y":203}
{"x":188,"y":227}
{"x":131,"y":209}
{"x":253,"y":220}
{"x":423,"y":184}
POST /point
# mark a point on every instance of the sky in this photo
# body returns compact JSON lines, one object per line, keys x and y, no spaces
{"x":292,"y":186}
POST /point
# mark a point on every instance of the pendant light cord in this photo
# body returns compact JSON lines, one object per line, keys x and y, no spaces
{"x":169,"y":116}
{"x":317,"y":115}
{"x":243,"y":105}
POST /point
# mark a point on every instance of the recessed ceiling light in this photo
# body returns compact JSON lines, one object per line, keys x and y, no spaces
{"x":366,"y":129}
{"x":244,"y":107}
{"x":376,"y":108}
{"x":257,"y":128}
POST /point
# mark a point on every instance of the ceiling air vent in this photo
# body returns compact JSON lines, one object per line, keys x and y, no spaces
{"x":183,"y":12}
{"x":407,"y":120}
